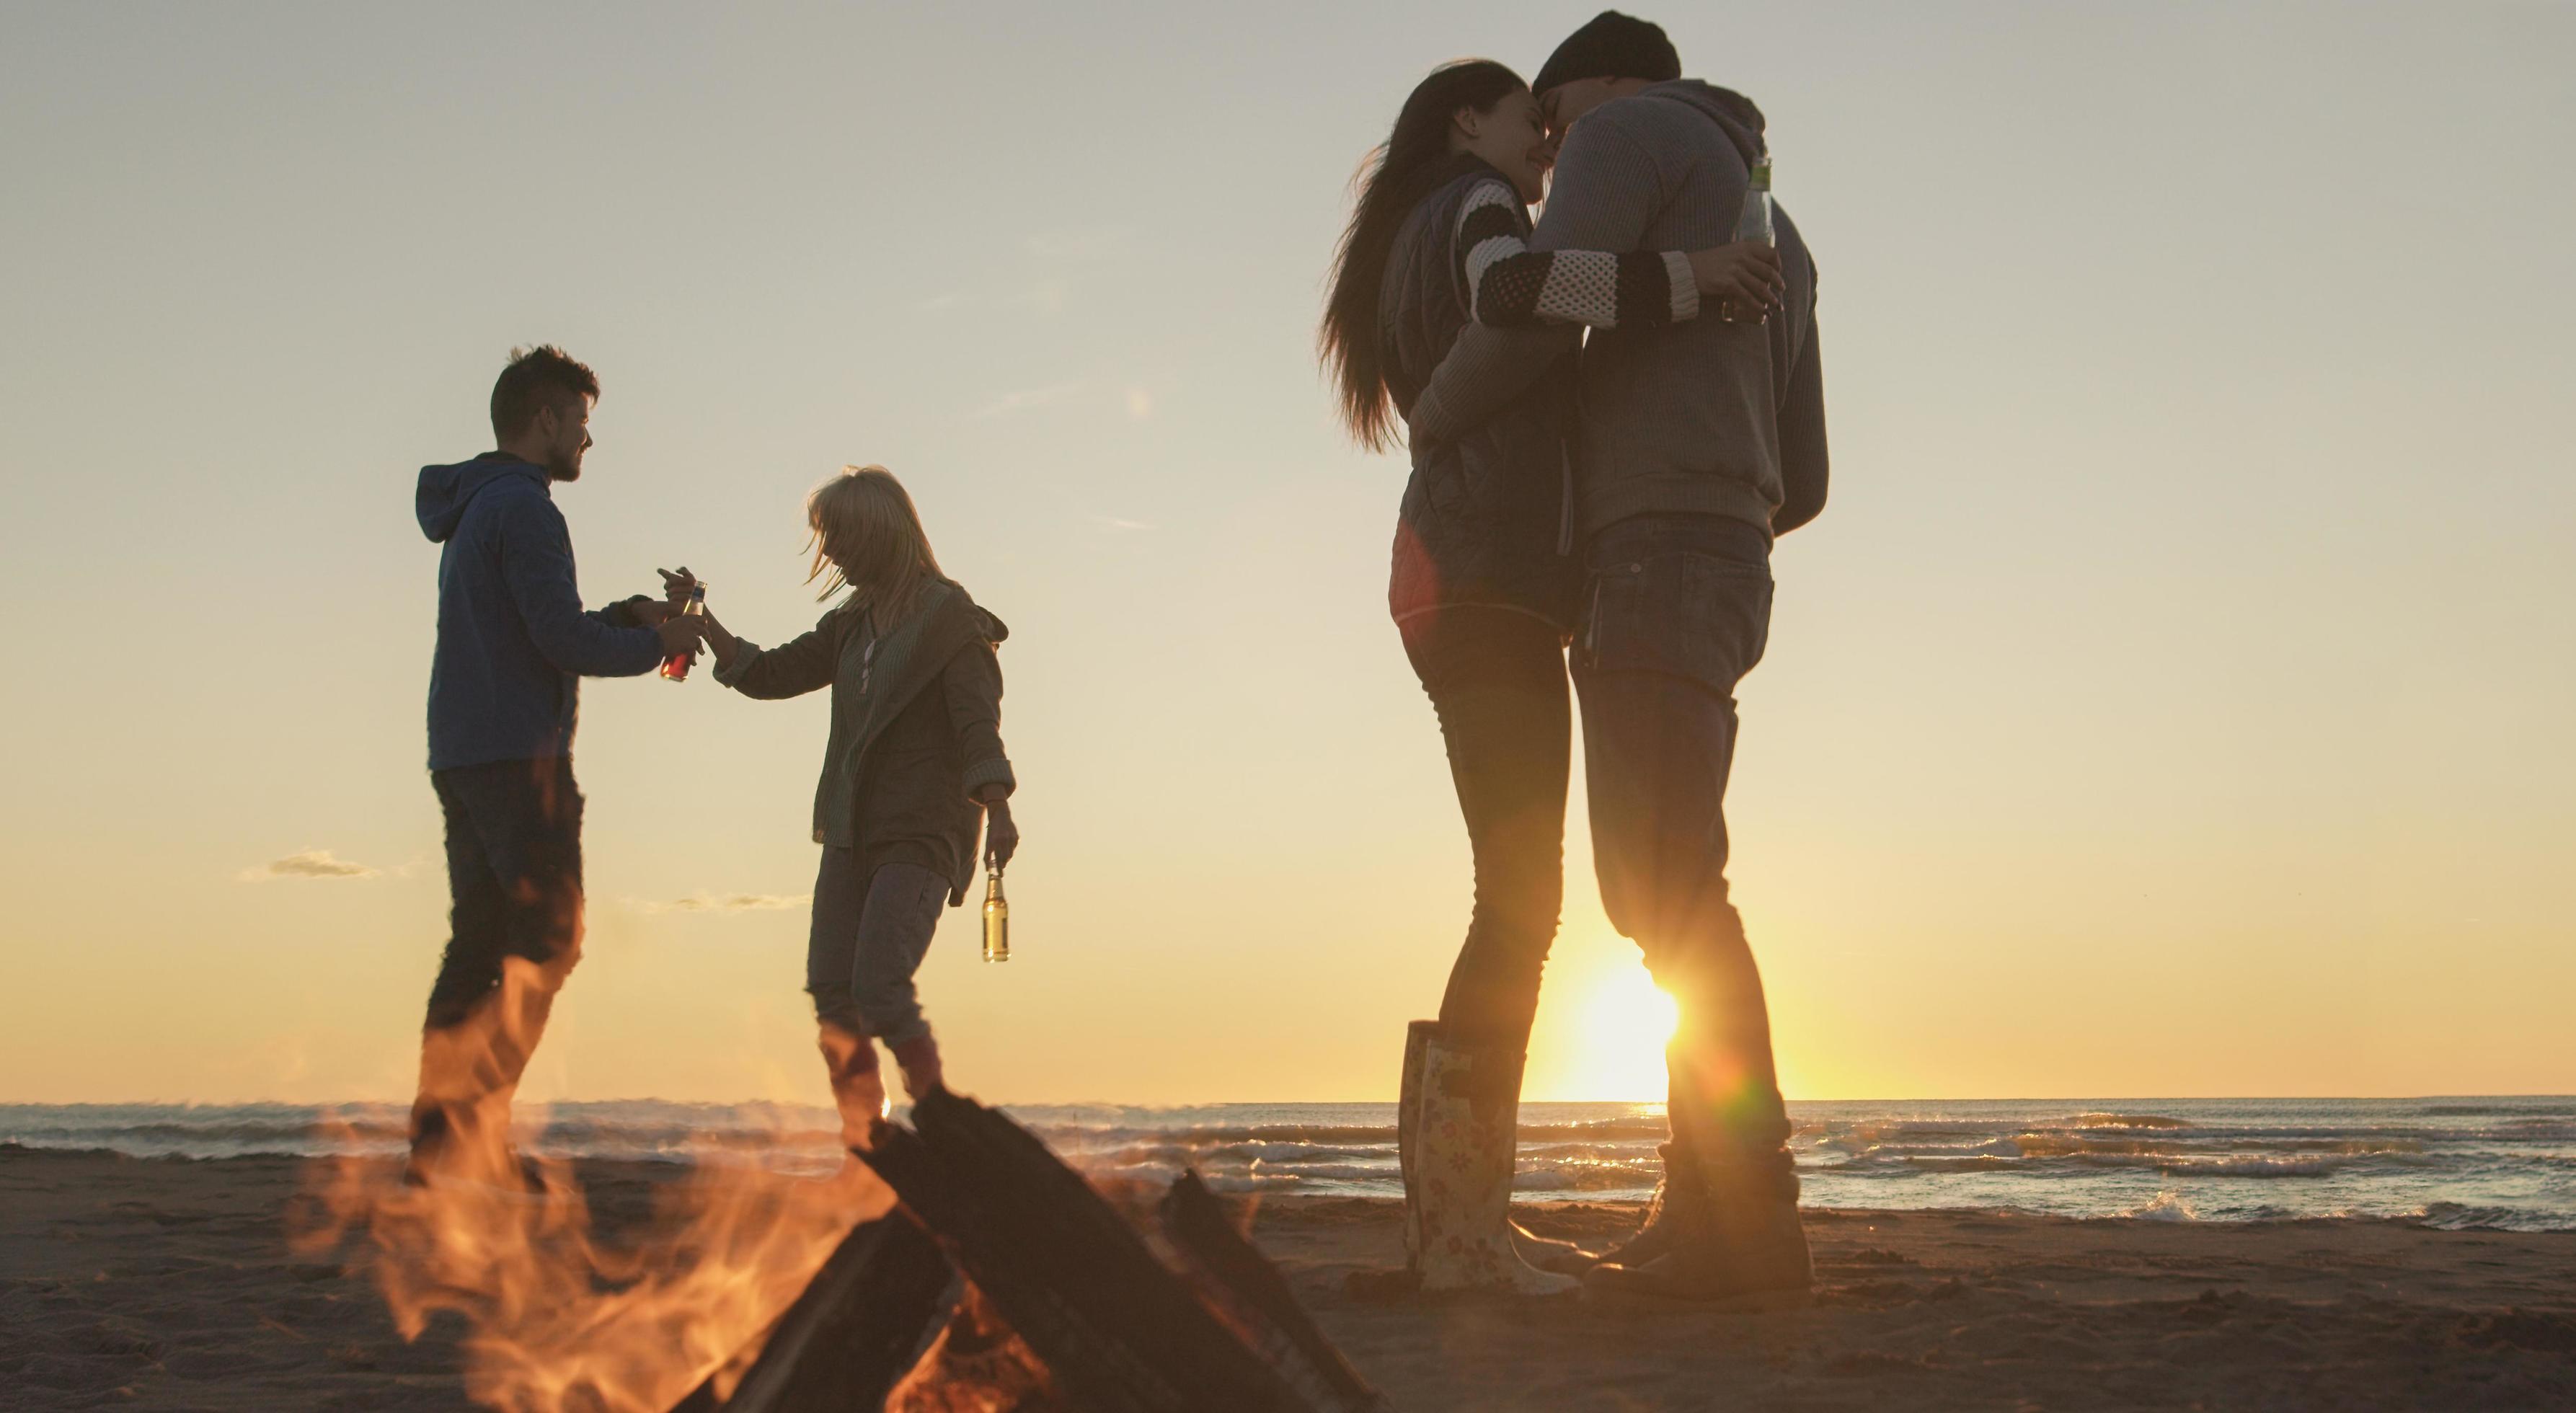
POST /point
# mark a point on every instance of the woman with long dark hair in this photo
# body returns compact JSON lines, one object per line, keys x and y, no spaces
{"x":1482,"y":593}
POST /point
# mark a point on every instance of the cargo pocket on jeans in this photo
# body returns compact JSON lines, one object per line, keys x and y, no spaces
{"x":1690,"y":615}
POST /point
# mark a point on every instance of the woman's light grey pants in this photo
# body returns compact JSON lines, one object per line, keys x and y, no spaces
{"x":869,"y":936}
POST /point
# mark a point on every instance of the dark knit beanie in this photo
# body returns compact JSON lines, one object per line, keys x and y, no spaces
{"x":1613,"y":45}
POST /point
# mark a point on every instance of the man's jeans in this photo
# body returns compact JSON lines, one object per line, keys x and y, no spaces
{"x":1678,"y":611}
{"x":872,"y":926}
{"x":513,"y":875}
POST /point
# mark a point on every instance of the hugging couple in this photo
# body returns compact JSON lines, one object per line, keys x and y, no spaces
{"x":1619,"y":492}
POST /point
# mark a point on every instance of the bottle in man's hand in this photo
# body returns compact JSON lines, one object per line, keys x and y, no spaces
{"x":675,"y":668}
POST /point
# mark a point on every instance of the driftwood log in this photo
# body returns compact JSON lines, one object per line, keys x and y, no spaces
{"x":857,"y":1328}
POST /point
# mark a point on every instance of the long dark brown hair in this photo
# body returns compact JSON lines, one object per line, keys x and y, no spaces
{"x":1399,"y":173}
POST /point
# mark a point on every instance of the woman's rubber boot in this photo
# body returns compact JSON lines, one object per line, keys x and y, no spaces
{"x":1736,"y":1243}
{"x":1408,"y":1135}
{"x":1458,"y":1186}
{"x":1546,"y":1253}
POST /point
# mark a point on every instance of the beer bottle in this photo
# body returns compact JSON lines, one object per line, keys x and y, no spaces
{"x":1753,"y":222}
{"x":676,"y":667}
{"x":997,"y":918}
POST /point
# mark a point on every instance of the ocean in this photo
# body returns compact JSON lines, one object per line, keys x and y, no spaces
{"x":2499,"y":1163}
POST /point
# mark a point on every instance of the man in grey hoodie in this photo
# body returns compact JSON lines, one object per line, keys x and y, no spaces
{"x":1696,"y":444}
{"x":513,"y":646}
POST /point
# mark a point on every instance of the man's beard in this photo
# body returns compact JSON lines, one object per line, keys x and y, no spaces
{"x":564,"y":468}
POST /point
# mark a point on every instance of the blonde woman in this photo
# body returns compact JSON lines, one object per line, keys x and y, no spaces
{"x":914,"y":765}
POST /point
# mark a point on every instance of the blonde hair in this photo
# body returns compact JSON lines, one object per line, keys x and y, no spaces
{"x":865,"y":514}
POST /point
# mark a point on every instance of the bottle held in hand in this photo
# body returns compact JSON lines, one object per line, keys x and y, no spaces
{"x":997,"y":919}
{"x":1753,"y":223}
{"x":675,"y":668}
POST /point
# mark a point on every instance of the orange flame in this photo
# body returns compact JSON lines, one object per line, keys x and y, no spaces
{"x":561,"y":1319}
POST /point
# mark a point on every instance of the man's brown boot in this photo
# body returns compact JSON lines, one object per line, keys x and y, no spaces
{"x":1736,"y":1242}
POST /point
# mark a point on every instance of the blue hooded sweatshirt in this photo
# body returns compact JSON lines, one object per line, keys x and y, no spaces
{"x":513,"y":641}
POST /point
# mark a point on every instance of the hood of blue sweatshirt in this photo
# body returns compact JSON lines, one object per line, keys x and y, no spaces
{"x":444,"y":491}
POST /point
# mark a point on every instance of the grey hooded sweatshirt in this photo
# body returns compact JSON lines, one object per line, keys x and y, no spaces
{"x":1705,"y":416}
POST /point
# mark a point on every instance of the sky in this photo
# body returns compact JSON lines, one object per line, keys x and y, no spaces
{"x":2173,"y":699}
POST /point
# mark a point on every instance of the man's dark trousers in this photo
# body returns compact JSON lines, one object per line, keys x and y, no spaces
{"x":1678,"y":611}
{"x":513,"y":875}
{"x":514,"y":879}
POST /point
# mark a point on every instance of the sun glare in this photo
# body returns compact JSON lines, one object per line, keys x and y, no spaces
{"x":1627,"y":1009}
{"x":1617,"y":1050}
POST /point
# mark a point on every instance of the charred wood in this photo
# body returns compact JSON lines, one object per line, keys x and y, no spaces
{"x":856,"y":1329}
{"x":1255,"y":1298}
{"x":1120,"y":1332}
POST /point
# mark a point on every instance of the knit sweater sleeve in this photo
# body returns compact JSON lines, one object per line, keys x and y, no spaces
{"x":1507,"y":283}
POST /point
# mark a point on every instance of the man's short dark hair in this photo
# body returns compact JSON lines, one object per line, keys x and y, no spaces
{"x":537,"y":378}
{"x":1614,"y":46}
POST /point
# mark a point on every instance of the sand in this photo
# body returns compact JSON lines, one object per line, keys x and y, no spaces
{"x":169,"y":1284}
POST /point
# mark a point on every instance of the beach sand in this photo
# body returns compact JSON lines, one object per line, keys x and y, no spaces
{"x":169,"y":1284}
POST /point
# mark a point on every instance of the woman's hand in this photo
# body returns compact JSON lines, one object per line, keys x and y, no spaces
{"x":720,"y":639}
{"x":1001,"y":836}
{"x":678,"y":587}
{"x":1741,"y":277}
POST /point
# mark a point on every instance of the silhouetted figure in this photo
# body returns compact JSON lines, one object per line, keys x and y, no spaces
{"x":1483,"y":592}
{"x":1695,"y":446}
{"x":513,"y":644}
{"x":914,"y":767}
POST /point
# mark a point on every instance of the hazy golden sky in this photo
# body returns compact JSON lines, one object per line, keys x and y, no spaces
{"x":2173,"y":700}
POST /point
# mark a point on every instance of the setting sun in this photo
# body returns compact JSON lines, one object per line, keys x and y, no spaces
{"x":1618,"y":1045}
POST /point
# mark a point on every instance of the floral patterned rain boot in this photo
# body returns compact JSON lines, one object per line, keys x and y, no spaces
{"x":1458,"y":1187}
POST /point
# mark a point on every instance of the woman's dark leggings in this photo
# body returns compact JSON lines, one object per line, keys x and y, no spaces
{"x":1497,"y":680}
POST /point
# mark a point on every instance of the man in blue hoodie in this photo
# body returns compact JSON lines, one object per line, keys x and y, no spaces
{"x":513,"y":646}
{"x":1696,"y":445}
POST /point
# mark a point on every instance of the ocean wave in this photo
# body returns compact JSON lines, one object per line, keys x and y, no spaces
{"x":295,"y":1137}
{"x":1185,"y":1152}
{"x":1584,"y":1177}
{"x":2060,"y":1165}
{"x":2251,"y":1167}
{"x":2167,"y":1207}
{"x":2128,"y":1121}
{"x":2457,"y":1216}
{"x":2533,"y":1130}
{"x":1879,"y":1133}
{"x":2047,"y":1145}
